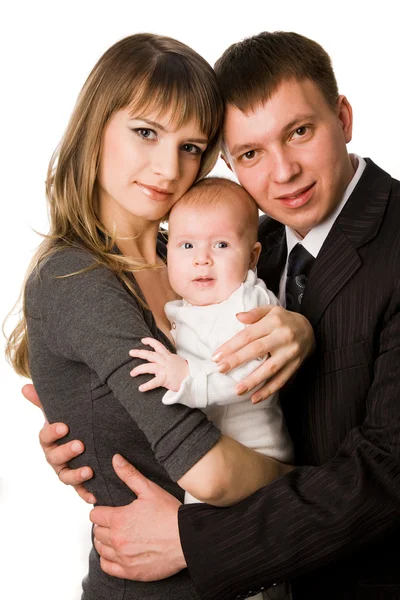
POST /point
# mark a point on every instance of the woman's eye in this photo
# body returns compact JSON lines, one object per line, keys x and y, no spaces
{"x":146,"y":134}
{"x":192,"y":149}
{"x":221,"y":245}
{"x":186,"y":245}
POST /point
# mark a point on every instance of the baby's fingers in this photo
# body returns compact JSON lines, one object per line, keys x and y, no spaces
{"x":152,"y":357}
{"x":150,"y":385}
{"x":156,"y":345}
{"x":149,"y":368}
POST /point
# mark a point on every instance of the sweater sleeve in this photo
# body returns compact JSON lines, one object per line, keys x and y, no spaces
{"x":88,"y":316}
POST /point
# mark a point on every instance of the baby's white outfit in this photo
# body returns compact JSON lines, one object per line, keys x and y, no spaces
{"x":198,"y":331}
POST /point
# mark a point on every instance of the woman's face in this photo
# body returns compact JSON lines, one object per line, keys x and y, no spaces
{"x":146,"y":164}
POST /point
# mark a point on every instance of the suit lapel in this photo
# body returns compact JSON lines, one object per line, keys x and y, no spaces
{"x":273,"y":254}
{"x":339,"y":259}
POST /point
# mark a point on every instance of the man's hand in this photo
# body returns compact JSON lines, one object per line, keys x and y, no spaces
{"x":139,"y":541}
{"x":169,"y":369}
{"x":287,"y":337}
{"x":58,"y":456}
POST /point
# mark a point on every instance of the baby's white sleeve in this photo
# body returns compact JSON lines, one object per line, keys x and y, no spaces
{"x":205,"y":386}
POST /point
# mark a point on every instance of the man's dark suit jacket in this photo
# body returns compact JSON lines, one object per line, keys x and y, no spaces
{"x":331,"y":526}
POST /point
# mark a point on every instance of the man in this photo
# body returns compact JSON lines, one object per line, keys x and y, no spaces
{"x":331,"y":525}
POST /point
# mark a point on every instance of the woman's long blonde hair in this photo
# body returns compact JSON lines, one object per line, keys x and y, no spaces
{"x":146,"y":72}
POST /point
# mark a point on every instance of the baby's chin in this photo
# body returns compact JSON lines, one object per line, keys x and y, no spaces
{"x":207,"y":295}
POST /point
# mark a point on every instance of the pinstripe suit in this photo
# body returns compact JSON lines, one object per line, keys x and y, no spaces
{"x":333,"y":525}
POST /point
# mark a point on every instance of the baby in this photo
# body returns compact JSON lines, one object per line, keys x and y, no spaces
{"x":212,"y":255}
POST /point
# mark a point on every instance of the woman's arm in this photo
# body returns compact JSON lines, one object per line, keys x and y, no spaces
{"x":230,"y":472}
{"x":225,"y":475}
{"x":227,"y":453}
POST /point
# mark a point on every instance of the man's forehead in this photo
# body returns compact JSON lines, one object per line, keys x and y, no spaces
{"x":292,"y":102}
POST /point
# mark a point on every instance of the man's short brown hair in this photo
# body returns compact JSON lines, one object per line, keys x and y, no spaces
{"x":250,"y":71}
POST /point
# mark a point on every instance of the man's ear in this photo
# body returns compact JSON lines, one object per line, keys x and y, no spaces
{"x":345,"y":115}
{"x":254,"y":256}
{"x":226,"y":161}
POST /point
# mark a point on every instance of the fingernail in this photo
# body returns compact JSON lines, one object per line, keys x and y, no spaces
{"x":255,"y":399}
{"x":241,"y":388}
{"x":61,"y":429}
{"x":223,"y":368}
{"x":131,"y":352}
{"x":91,"y":499}
{"x":119,"y":460}
{"x":76,"y":447}
{"x":85,"y":473}
{"x":216,"y":357}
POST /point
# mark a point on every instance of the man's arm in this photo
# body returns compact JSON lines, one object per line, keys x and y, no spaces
{"x":303,"y":521}
{"x":315,"y":514}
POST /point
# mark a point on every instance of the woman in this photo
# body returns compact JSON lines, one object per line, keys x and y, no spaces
{"x":145,"y":127}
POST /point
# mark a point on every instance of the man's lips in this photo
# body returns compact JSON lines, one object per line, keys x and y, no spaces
{"x":155,"y":193}
{"x":298,"y":197}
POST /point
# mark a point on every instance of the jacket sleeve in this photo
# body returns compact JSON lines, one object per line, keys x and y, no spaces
{"x":91,"y":318}
{"x":315,"y":514}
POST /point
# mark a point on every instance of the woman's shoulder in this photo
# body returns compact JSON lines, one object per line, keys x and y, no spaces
{"x":67,"y":260}
{"x":68,"y":269}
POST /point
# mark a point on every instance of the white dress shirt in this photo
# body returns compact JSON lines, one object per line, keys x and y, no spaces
{"x":314,"y":240}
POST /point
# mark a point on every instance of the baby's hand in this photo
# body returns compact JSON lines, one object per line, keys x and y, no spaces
{"x":169,"y":369}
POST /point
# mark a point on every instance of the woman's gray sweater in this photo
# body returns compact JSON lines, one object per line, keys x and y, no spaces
{"x":80,"y":331}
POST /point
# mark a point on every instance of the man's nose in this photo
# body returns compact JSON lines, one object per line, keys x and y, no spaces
{"x":285,"y":166}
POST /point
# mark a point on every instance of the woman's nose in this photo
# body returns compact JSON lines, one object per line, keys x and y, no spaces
{"x":166,"y":164}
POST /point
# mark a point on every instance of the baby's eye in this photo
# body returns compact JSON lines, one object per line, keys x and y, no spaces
{"x":186,"y":245}
{"x":221,"y":245}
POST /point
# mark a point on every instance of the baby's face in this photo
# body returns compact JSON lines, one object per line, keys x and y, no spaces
{"x":208,"y":256}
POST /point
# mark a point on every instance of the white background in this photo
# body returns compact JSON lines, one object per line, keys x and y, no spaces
{"x":47,"y":51}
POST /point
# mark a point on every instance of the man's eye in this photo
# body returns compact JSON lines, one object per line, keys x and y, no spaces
{"x":248,"y":155}
{"x":221,"y":245}
{"x":300,"y":131}
{"x":186,"y":245}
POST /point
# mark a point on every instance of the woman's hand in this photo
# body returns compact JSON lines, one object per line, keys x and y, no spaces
{"x":58,"y":456}
{"x":286,"y":336}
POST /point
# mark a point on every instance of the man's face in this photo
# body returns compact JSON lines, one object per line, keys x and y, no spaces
{"x":290,"y":153}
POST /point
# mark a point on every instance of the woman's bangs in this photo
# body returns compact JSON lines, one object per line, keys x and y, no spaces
{"x":176,"y":95}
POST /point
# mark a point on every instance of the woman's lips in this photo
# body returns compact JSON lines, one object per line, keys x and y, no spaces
{"x":154,"y":193}
{"x":298,"y":198}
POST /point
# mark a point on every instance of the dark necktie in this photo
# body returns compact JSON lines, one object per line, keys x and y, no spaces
{"x":299,"y":265}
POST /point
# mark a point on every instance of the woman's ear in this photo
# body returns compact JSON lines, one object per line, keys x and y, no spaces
{"x":254,"y":256}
